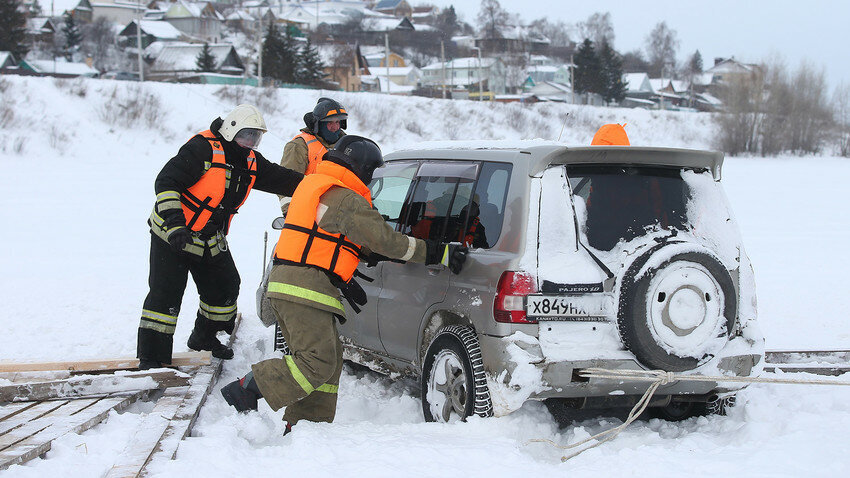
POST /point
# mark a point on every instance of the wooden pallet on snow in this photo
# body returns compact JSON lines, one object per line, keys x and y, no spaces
{"x":48,"y":400}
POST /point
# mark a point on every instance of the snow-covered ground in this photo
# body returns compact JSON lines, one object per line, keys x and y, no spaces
{"x":77,"y":187}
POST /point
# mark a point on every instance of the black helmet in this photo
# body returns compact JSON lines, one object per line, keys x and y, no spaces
{"x":329,"y":110}
{"x":360,"y":155}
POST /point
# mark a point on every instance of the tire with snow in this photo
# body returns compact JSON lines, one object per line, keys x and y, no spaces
{"x":454,"y":385}
{"x":678,"y":314}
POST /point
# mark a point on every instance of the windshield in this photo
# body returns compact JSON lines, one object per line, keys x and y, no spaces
{"x":624,"y":202}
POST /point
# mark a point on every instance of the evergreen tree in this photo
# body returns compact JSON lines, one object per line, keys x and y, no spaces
{"x":447,"y":22}
{"x":310,"y":66}
{"x":73,"y":37}
{"x":695,"y":63}
{"x":279,"y":55}
{"x":588,"y":69}
{"x":205,"y":60}
{"x":612,"y":74}
{"x":13,"y":28}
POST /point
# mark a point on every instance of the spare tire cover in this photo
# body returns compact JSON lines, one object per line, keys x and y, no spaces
{"x":678,"y":314}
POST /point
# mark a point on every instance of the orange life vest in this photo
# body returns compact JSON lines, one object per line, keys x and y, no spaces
{"x":204,"y":197}
{"x":315,"y":151}
{"x":302,"y":241}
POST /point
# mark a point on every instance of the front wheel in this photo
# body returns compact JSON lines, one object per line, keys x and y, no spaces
{"x":454,"y":385}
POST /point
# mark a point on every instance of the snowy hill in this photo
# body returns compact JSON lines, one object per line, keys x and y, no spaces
{"x":79,"y":158}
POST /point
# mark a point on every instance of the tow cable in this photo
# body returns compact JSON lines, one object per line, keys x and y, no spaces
{"x":658,"y":378}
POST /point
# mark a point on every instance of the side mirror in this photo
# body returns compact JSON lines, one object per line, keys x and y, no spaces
{"x":278,"y":223}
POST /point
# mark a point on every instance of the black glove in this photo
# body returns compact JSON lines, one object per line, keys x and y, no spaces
{"x":457,"y":256}
{"x":374,"y":258}
{"x":179,"y":237}
{"x":451,"y":255}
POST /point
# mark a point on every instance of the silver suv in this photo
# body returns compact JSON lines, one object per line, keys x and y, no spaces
{"x":613,"y":257}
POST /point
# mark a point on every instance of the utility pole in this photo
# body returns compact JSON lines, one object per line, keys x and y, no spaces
{"x":480,"y":81}
{"x":139,"y":11}
{"x":572,"y":81}
{"x":443,"y":62}
{"x":387,"y":60}
{"x":260,"y":47}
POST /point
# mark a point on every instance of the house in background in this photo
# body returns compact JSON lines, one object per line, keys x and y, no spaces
{"x":40,"y":30}
{"x":81,"y":10}
{"x":57,"y":68}
{"x":466,"y":75}
{"x":118,"y":11}
{"x":152,"y":31}
{"x":376,"y":56}
{"x":726,"y":70}
{"x":396,"y":8}
{"x":178,"y":61}
{"x":197,"y":20}
{"x":7,"y":62}
{"x":402,"y":80}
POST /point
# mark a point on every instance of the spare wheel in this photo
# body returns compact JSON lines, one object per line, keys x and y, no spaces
{"x":678,"y":314}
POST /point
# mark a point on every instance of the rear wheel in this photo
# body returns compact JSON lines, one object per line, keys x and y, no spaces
{"x":454,"y":385}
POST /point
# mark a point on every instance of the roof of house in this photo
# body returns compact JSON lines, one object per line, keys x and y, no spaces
{"x":160,"y":29}
{"x":635,"y":81}
{"x":180,"y":56}
{"x":40,"y":25}
{"x":62,"y":67}
{"x":61,"y":6}
{"x":387,"y":4}
{"x":6,"y":57}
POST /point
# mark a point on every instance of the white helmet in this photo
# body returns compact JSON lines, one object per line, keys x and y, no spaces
{"x":243,"y":116}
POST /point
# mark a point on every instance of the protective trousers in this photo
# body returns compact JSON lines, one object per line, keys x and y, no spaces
{"x":217,"y":281}
{"x":305,"y":382}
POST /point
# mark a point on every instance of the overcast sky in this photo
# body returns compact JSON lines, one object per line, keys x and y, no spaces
{"x":749,"y":30}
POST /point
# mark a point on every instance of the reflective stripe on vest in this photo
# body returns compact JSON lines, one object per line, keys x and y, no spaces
{"x":203,"y":197}
{"x":302,"y":241}
{"x":315,"y":151}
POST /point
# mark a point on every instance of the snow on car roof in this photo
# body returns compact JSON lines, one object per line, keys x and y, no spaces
{"x":546,"y":152}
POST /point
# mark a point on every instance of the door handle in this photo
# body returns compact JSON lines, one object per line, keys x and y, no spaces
{"x":434,"y":269}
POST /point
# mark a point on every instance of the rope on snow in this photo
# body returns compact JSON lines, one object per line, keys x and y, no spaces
{"x":658,"y":378}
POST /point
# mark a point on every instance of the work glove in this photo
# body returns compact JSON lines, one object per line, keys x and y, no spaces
{"x":451,"y":255}
{"x":179,"y":237}
{"x":374,"y":258}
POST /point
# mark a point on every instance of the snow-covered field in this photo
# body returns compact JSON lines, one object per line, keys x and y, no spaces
{"x":77,"y":187}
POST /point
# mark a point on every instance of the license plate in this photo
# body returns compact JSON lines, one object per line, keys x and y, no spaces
{"x":586,"y":307}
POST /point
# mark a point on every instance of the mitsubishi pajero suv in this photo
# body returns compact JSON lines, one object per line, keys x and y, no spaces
{"x":618,"y":257}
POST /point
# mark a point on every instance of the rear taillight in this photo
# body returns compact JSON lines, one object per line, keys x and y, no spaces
{"x":509,"y":305}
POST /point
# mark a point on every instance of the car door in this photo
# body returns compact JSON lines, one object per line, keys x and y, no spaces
{"x":390,"y":187}
{"x":432,"y":211}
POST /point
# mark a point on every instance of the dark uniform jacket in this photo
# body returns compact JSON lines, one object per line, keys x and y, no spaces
{"x":187,"y":167}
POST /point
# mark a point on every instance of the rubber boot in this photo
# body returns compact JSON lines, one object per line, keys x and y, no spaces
{"x":203,"y":338}
{"x":242,"y":394}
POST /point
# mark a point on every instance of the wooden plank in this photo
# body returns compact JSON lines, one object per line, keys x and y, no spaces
{"x":51,"y":412}
{"x":84,"y":385}
{"x":33,"y":412}
{"x":807,"y":356}
{"x":10,"y":409}
{"x":137,"y":452}
{"x":80,"y":415}
{"x":184,"y":419}
{"x":182,"y":359}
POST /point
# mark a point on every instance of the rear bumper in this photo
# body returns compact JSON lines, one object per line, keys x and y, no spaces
{"x":517,"y":372}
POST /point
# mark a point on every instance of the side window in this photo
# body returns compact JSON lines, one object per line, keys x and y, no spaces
{"x":487,"y":210}
{"x":390,"y":186}
{"x":436,"y":206}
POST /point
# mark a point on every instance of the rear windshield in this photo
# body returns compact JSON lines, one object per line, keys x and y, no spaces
{"x":624,"y":202}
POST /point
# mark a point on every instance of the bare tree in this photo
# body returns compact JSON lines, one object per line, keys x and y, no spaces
{"x":556,"y":31}
{"x":841,"y":100}
{"x":661,"y":46}
{"x":491,"y":18}
{"x":99,"y":41}
{"x":598,"y":28}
